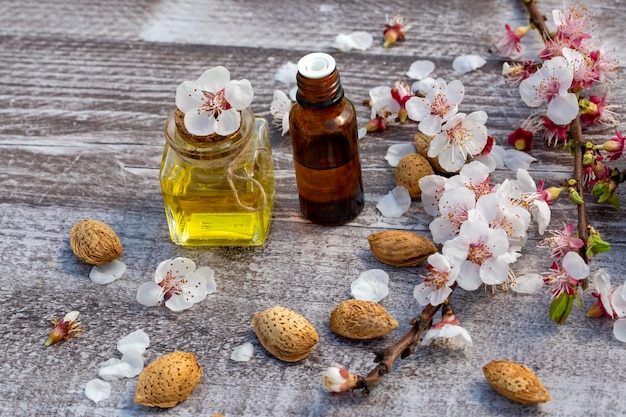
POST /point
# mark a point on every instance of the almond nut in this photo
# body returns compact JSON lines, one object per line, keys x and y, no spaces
{"x":400,"y":247}
{"x":359,"y":319}
{"x":410,"y":170}
{"x":168,"y":380}
{"x":516,"y":382}
{"x":284,"y":333}
{"x":422,"y":143}
{"x":95,"y":242}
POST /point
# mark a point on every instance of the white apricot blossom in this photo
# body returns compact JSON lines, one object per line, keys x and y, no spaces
{"x":212,"y":103}
{"x":436,"y":286}
{"x":550,"y":84}
{"x":178,"y":283}
{"x":439,"y":105}
{"x":461,"y":136}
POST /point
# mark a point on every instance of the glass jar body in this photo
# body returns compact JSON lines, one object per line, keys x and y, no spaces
{"x":326,"y":160}
{"x":221,"y":194}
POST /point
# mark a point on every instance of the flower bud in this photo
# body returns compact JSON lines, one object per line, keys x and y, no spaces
{"x":337,"y":379}
{"x":561,"y":307}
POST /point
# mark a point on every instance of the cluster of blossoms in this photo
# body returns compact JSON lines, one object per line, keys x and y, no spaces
{"x":482,"y":227}
{"x":571,"y":71}
{"x":570,"y":77}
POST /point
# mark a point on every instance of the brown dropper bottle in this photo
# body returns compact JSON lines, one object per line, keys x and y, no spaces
{"x":325,"y":144}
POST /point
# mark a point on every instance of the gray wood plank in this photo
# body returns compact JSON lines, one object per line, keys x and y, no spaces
{"x":85,"y":88}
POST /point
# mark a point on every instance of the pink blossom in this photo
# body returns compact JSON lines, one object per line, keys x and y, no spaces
{"x":395,"y":30}
{"x":554,"y":133}
{"x":447,"y":334}
{"x":481,"y":253}
{"x":212,"y":103}
{"x":582,"y":67}
{"x":550,"y":84}
{"x":439,"y":105}
{"x":509,"y":44}
{"x":515,"y":73}
{"x":461,"y":136}
{"x":401,"y":93}
{"x":436,"y":286}
{"x":561,"y":241}
{"x":564,"y":277}
{"x":614,"y":146}
{"x":605,"y":65}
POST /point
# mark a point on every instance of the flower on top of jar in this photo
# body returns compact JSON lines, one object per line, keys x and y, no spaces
{"x":213,"y":102}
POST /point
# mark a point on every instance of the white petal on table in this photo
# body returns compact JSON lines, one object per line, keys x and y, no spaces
{"x":467,"y":63}
{"x":97,"y":390}
{"x":243,"y":353}
{"x":371,"y":285}
{"x":107,"y":273}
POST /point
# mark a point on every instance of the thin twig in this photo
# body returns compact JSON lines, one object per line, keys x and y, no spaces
{"x":537,"y":19}
{"x":400,"y":350}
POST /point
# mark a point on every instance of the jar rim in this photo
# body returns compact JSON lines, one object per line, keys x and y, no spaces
{"x":193,"y":147}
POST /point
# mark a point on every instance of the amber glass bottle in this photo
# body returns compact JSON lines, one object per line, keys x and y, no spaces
{"x":325,"y":144}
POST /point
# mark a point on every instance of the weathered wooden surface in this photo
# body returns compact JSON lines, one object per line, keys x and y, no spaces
{"x":85,"y":88}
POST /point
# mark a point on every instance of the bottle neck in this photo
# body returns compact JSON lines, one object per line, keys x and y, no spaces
{"x":212,"y":147}
{"x":319,"y":92}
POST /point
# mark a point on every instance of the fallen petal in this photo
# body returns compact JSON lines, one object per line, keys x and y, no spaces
{"x":135,"y":342}
{"x":397,"y":151}
{"x":115,"y":370}
{"x":243,"y":353}
{"x":97,"y":390}
{"x":527,"y":283}
{"x":467,"y":63}
{"x":135,"y":363}
{"x":514,"y":159}
{"x":420,"y":69}
{"x":287,"y":73}
{"x":355,"y":40}
{"x":395,"y":203}
{"x":107,"y":273}
{"x":371,"y":285}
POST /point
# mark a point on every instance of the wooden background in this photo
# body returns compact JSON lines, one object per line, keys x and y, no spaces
{"x":85,"y":88}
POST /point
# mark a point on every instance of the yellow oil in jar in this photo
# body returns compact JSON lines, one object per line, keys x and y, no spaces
{"x":214,"y":218}
{"x":206,"y":206}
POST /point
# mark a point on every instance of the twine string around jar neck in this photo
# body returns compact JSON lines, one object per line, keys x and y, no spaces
{"x":231,"y":175}
{"x":242,"y":147}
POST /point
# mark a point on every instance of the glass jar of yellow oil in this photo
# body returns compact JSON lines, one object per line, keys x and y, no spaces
{"x":218,"y":190}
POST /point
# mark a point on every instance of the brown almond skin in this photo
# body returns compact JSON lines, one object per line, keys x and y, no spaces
{"x":285,"y":334}
{"x":516,"y":382}
{"x":168,"y":380}
{"x":359,"y":319}
{"x":422,"y":143}
{"x":400,"y":247}
{"x":95,"y":242}
{"x":410,"y":170}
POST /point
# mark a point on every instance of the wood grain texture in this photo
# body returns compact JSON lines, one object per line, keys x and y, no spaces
{"x":85,"y":88}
